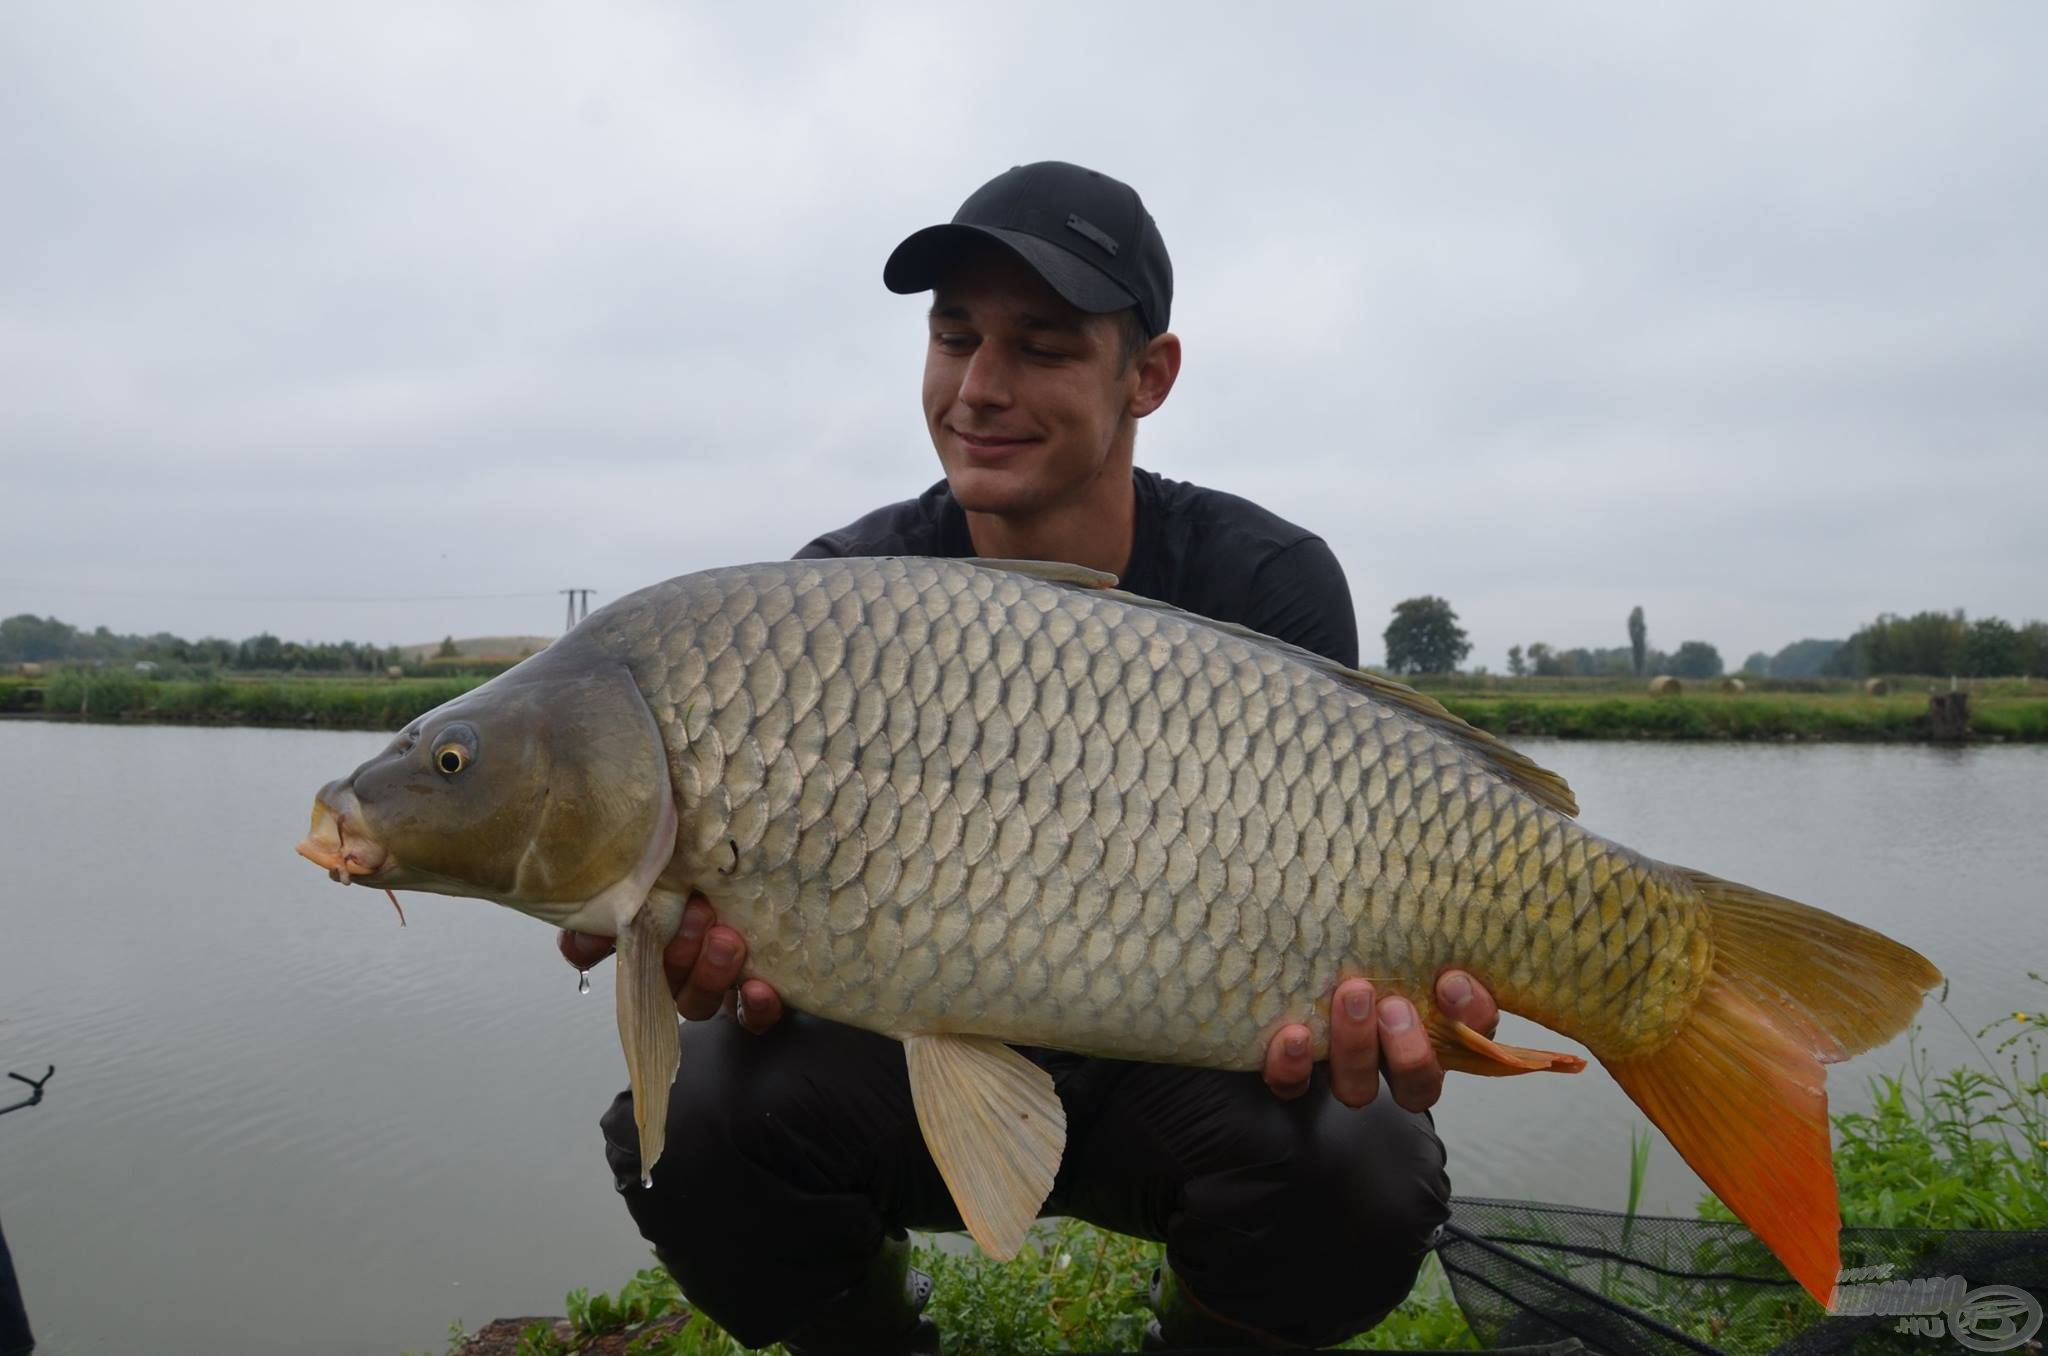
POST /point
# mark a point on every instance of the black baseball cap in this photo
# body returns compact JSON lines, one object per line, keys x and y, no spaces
{"x":1088,"y":235}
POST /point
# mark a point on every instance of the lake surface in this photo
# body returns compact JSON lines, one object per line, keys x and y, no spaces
{"x":281,"y":1122}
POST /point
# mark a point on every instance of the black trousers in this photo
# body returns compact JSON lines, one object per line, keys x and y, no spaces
{"x":15,"y":1338}
{"x":790,"y":1156}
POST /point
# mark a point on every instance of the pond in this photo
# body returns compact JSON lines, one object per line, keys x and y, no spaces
{"x":280,"y":1121}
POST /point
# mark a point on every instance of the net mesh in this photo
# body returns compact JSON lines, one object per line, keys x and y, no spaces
{"x":1526,"y":1273}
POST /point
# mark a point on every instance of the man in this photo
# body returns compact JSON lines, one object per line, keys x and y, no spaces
{"x":794,"y":1161}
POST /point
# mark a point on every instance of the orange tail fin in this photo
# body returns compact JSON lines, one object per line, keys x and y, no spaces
{"x":1740,"y":1091}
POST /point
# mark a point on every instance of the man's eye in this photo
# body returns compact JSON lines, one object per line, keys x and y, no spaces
{"x":953,"y":343}
{"x":1048,"y":354}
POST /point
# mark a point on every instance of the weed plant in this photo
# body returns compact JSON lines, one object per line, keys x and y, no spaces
{"x":1963,"y":1148}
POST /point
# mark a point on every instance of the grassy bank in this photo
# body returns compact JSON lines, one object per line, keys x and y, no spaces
{"x":1589,"y":708}
{"x":327,"y":703}
{"x":1964,"y":1148}
{"x":1782,"y":716}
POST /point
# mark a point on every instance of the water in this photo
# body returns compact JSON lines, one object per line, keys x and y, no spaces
{"x":282,"y":1122}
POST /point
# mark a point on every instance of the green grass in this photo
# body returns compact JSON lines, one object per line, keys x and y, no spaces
{"x":331,"y":703}
{"x":1073,"y":1288}
{"x":1964,"y":1148}
{"x":1568,"y":708}
{"x":1713,"y":715}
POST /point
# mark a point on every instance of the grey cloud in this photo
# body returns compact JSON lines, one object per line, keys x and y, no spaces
{"x":1730,"y":311}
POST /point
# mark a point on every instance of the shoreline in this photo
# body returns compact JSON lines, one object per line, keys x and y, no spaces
{"x":1713,"y":718}
{"x":1791,"y":711}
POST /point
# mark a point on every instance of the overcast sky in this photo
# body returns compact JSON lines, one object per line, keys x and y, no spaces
{"x":387,"y":321}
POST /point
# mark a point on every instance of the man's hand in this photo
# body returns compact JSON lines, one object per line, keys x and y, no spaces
{"x":1366,"y":1036}
{"x":703,"y":962}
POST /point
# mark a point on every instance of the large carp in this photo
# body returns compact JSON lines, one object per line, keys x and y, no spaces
{"x":965,"y":803}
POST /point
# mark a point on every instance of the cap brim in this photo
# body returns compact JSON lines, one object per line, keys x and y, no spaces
{"x":919,"y":265}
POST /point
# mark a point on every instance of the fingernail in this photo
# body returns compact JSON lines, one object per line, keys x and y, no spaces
{"x":693,"y":923}
{"x":1296,"y":1046}
{"x":1456,"y":988}
{"x":1358,"y":1002}
{"x":1397,"y":1014}
{"x":719,"y":952}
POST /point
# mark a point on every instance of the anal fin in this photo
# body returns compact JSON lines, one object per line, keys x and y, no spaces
{"x":1461,"y":1048}
{"x":647,"y":1032}
{"x":994,"y":1126}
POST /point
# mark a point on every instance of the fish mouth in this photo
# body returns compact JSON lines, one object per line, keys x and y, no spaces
{"x":337,"y":840}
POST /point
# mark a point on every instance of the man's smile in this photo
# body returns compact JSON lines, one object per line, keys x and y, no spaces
{"x":984,"y":447}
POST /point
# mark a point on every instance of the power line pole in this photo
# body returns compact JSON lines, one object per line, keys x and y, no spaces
{"x":569,"y":624}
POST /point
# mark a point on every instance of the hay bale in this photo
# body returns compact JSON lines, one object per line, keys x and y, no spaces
{"x":393,"y":671}
{"x":1876,"y":687}
{"x":31,"y":670}
{"x":1664,"y":685}
{"x":1733,"y":684}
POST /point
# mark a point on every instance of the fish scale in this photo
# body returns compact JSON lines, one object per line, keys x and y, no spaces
{"x":989,"y":788}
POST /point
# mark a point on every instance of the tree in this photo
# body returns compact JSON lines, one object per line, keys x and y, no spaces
{"x":1758,"y":664}
{"x":1926,"y":643}
{"x":1803,"y":658}
{"x":2034,"y":649}
{"x":1593,"y":663}
{"x":1425,"y":637}
{"x":1696,"y":659}
{"x":1517,"y":666}
{"x":1993,"y":649}
{"x":448,"y":650}
{"x":28,"y":637}
{"x":1638,"y":639}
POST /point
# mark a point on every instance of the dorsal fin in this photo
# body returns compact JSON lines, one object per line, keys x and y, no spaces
{"x":1052,"y":571}
{"x":1510,"y":763}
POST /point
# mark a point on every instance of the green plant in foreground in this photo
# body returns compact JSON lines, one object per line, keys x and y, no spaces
{"x":1962,"y":1149}
{"x":1073,"y":1287}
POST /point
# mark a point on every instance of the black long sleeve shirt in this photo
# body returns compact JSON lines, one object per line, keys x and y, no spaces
{"x":1203,"y":550}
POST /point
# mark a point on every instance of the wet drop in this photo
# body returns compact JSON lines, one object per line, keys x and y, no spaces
{"x":583,"y":981}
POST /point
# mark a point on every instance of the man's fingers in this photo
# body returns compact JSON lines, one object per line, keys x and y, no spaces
{"x":1464,"y":999}
{"x":760,"y":1005}
{"x":1413,"y":1074}
{"x":1354,"y":1044}
{"x":680,"y":956}
{"x":717,"y":969}
{"x":581,"y":949}
{"x":1289,"y":1061}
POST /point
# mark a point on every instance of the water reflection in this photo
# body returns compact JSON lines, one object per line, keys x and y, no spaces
{"x":282,"y":1120}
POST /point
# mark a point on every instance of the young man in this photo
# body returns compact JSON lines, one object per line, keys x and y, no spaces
{"x":794,"y":1160}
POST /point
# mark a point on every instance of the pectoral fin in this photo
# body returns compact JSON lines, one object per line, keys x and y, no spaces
{"x":1461,"y":1048}
{"x":647,"y":1032}
{"x":995,"y":1128}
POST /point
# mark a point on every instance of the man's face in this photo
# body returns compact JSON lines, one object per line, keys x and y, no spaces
{"x":1024,"y":395}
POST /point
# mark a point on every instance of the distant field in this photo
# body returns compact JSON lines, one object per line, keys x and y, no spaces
{"x":1790,"y":709}
{"x":1569,"y":708}
{"x":474,"y":647}
{"x":327,"y":703}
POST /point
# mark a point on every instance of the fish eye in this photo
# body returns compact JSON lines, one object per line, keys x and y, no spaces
{"x":451,"y":758}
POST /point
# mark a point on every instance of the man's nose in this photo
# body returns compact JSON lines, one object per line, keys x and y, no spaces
{"x":986,"y":380}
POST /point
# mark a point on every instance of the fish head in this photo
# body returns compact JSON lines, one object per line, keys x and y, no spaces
{"x":540,"y":790}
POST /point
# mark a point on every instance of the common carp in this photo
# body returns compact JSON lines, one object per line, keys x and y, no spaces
{"x":974,"y":803}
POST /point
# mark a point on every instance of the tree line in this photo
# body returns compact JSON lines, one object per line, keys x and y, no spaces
{"x":26,"y":638}
{"x":1936,"y":643}
{"x":1425,"y":637}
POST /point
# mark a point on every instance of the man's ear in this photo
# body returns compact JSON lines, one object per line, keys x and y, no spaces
{"x":1158,"y":366}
